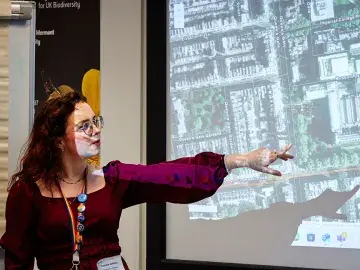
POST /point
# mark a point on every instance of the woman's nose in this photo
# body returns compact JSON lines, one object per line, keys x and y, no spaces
{"x":96,"y":130}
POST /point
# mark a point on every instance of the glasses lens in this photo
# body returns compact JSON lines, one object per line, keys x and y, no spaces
{"x":99,"y":122}
{"x":88,"y":129}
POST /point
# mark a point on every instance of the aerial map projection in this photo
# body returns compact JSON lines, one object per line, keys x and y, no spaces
{"x":246,"y":74}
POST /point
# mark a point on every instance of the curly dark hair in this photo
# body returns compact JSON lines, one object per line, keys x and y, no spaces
{"x":41,"y":157}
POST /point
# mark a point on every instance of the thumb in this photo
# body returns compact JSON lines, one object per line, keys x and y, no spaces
{"x":270,"y":171}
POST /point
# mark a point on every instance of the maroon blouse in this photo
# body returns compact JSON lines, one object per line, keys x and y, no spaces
{"x":38,"y":227}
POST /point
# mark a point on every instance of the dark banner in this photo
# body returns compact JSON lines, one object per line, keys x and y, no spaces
{"x":68,"y":50}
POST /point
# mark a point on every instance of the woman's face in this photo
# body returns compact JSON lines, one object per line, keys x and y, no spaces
{"x":82,"y":135}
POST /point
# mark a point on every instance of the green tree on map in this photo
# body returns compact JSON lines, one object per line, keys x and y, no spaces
{"x":206,"y":112}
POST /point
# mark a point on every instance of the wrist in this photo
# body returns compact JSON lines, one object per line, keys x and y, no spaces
{"x":235,"y":161}
{"x":226,"y":163}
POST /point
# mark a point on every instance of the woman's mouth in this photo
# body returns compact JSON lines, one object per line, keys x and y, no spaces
{"x":97,"y":143}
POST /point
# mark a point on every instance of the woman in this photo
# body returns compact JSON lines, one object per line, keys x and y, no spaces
{"x":66,"y":214}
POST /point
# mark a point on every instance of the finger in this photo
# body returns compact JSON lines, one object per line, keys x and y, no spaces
{"x":270,"y":171}
{"x":288,"y":156}
{"x":286,"y":148}
{"x":285,"y":156}
{"x":282,"y":157}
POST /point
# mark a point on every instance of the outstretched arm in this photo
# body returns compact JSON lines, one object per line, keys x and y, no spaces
{"x":184,"y":180}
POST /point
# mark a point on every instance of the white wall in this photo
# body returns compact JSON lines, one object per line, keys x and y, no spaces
{"x":122,"y":98}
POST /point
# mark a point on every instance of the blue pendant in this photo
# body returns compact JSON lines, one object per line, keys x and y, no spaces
{"x":81,"y":218}
{"x":82,"y":198}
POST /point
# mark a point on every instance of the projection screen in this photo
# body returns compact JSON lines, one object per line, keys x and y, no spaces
{"x":245,"y":74}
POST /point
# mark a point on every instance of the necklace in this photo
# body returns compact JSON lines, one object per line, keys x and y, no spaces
{"x":72,"y":183}
{"x":77,"y":194}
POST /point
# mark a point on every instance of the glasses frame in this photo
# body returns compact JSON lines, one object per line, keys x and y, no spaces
{"x":97,"y":121}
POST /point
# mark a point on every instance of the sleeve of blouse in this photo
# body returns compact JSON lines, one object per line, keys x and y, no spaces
{"x":16,"y":239}
{"x":185,"y":180}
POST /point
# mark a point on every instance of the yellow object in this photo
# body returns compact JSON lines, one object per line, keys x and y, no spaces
{"x":91,"y":90}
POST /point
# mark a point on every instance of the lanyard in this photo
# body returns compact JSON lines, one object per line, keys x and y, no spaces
{"x":76,"y":224}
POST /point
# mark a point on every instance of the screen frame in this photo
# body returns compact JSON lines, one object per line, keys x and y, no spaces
{"x":156,"y":145}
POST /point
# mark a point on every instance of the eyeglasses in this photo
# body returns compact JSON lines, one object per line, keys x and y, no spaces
{"x":88,"y":126}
